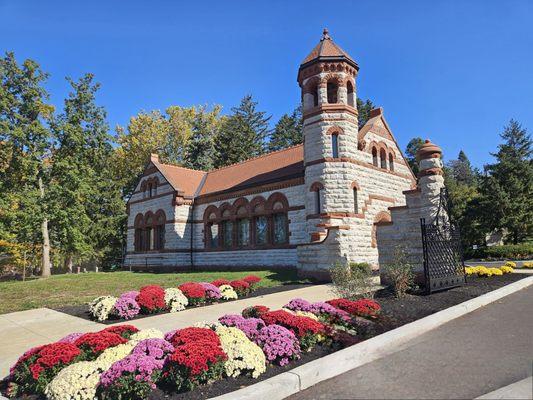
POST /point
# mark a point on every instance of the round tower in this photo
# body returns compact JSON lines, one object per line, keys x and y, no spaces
{"x":330,"y":126}
{"x":430,"y":179}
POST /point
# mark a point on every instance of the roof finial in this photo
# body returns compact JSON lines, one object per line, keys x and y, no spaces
{"x":325,"y":34}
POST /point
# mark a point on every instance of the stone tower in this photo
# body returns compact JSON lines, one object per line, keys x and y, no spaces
{"x":327,"y":80}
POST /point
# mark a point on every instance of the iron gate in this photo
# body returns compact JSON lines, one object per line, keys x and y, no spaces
{"x":443,"y":256}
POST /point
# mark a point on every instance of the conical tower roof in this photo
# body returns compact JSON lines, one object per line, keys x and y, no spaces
{"x":327,"y":50}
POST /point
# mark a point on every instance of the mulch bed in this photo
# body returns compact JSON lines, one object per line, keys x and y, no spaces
{"x":82,"y":311}
{"x":394,"y":313}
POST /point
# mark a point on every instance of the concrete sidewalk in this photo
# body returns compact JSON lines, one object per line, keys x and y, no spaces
{"x":20,"y":331}
{"x":466,"y":358}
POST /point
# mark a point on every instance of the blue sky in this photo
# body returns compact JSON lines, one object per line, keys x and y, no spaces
{"x":452,"y":71}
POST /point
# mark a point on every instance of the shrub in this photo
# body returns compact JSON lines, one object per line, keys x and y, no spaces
{"x":508,"y":251}
{"x":399,"y":273}
{"x":254,"y":311}
{"x":307,"y":330}
{"x":133,"y":377}
{"x":241,"y":287}
{"x":352,"y":281}
{"x":228,"y":293}
{"x":101,"y":307}
{"x":175,"y":300}
{"x":244,"y":356}
{"x":250,"y":326}
{"x":36,"y":368}
{"x":212,"y":292}
{"x":219,"y":282}
{"x":94,"y":343}
{"x":194,"y":292}
{"x":122,"y":330}
{"x":361,"y":308}
{"x":193,"y":364}
{"x":279,"y":344}
{"x":151,"y":298}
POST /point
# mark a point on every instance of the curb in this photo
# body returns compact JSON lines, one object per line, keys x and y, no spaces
{"x":287,"y":383}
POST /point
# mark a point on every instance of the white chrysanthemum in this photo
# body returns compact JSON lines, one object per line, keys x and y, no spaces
{"x":116,"y":353}
{"x":75,"y":382}
{"x":243,"y":354}
{"x":101,"y":307}
{"x":175,"y":299}
{"x":147,"y":334}
{"x":228,"y":293}
{"x":208,"y":325}
{"x":306,"y":314}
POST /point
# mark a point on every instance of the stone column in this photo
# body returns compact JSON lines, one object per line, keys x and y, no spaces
{"x":430,"y":179}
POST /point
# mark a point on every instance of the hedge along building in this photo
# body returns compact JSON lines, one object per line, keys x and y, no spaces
{"x":307,"y":206}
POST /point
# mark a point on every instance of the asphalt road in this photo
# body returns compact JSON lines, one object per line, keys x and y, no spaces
{"x":475,"y":354}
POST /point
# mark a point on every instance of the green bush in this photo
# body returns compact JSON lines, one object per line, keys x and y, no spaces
{"x":399,"y":274}
{"x":353,"y":281}
{"x":505,"y":252}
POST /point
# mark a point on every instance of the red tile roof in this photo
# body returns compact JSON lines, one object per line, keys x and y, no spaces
{"x":271,"y":167}
{"x":328,"y":49}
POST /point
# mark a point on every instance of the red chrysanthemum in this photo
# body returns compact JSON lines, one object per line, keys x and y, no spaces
{"x":254,"y":311}
{"x":219,"y":282}
{"x":192,"y":290}
{"x":361,"y":308}
{"x":122,"y":330}
{"x":51,"y":355}
{"x":92,"y":344}
{"x":194,"y":335}
{"x":241,"y":287}
{"x":196,"y":357}
{"x":299,"y":325}
{"x":151,"y":298}
{"x":251,"y":279}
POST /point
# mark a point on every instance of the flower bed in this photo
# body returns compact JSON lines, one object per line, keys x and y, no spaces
{"x":153,"y":299}
{"x":123,"y":362}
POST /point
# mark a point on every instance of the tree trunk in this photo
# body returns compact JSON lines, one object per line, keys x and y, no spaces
{"x":45,"y":267}
{"x":69,"y":263}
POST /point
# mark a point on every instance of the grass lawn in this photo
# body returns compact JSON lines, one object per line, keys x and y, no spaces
{"x":74,"y":289}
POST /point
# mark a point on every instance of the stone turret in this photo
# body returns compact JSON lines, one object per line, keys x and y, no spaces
{"x":430,"y":179}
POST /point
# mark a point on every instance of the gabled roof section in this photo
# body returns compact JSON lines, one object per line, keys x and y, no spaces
{"x":185,"y":181}
{"x":275,"y":166}
{"x":374,"y":123}
{"x":326,"y":50}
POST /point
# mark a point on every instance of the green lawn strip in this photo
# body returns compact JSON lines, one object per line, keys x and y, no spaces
{"x":75,"y":289}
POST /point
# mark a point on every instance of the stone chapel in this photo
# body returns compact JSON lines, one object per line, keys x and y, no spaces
{"x":303,"y":207}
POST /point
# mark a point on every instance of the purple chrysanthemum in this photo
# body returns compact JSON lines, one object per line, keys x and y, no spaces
{"x":211,"y":291}
{"x":250,"y":326}
{"x":278,"y":343}
{"x":127,"y":307}
{"x":70,"y":338}
{"x":156,"y":348}
{"x":298,"y":305}
{"x":138,"y":365}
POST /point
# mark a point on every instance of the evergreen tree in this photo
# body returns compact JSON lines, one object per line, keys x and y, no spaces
{"x":201,"y":151}
{"x":25,"y":139}
{"x":243,"y":134}
{"x":507,"y":187}
{"x":461,"y":169}
{"x":410,"y":153}
{"x":363,"y":110}
{"x":288,"y":131}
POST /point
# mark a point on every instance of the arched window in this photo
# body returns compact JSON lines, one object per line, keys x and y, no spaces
{"x":160,"y":230}
{"x":138,"y":243}
{"x":227,"y":229}
{"x":383,"y":157}
{"x":335,"y":145}
{"x":355,"y":201}
{"x":260,"y":225}
{"x":280,"y":224}
{"x":332,"y":89}
{"x":374,"y":156}
{"x":149,"y":232}
{"x":350,"y":94}
{"x":391,"y":162}
{"x":316,"y":188}
{"x":243,"y":227}
{"x":212,"y":231}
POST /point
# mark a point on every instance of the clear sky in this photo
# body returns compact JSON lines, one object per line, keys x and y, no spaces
{"x":451,"y":71}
